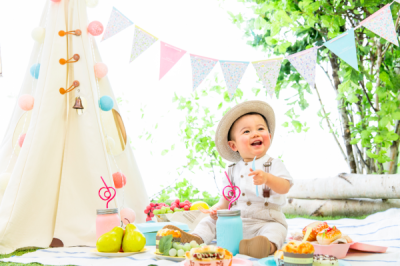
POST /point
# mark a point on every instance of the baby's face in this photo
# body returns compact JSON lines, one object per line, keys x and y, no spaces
{"x":250,"y":137}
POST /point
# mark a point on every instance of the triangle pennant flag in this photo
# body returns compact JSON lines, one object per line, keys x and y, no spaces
{"x":305,"y":62}
{"x":344,"y":46}
{"x":201,"y":67}
{"x":381,"y":23}
{"x":142,"y":40}
{"x":116,"y":23}
{"x":268,"y":72}
{"x":170,"y":55}
{"x":233,"y":72}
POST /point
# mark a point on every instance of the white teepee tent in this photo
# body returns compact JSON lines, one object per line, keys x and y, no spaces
{"x":54,"y":178}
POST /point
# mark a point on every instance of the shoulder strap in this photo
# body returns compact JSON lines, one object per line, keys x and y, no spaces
{"x":230,"y":173}
{"x":267,"y":165}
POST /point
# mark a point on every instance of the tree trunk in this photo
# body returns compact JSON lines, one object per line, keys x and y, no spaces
{"x":343,"y":115}
{"x":345,"y":186}
{"x":348,"y":208}
{"x":394,"y":151}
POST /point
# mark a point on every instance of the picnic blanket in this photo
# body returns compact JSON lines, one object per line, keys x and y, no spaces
{"x":378,"y":229}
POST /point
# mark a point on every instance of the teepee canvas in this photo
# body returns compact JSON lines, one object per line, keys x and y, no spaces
{"x":51,"y":175}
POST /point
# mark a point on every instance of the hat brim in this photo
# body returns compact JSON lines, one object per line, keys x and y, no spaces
{"x":221,"y":135}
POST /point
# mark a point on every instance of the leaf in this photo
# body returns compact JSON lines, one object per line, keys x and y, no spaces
{"x":165,"y":244}
{"x":286,"y":124}
{"x":372,"y":155}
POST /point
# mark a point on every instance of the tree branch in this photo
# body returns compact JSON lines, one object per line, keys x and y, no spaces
{"x":329,"y":124}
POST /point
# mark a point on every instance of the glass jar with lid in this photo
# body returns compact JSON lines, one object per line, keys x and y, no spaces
{"x":229,"y":230}
{"x":106,"y":220}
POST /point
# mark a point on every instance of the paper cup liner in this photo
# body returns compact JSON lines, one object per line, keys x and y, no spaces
{"x":293,"y":259}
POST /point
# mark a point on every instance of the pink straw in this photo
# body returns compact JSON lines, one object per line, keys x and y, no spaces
{"x":231,"y":195}
{"x":107,"y":197}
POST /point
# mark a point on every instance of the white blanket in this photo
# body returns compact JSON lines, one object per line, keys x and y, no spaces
{"x":378,"y":229}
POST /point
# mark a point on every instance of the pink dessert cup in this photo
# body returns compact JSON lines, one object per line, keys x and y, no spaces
{"x":337,"y":250}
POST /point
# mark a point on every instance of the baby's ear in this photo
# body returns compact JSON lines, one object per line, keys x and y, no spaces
{"x":232,"y":144}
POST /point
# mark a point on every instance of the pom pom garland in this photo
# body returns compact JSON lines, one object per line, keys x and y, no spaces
{"x":119,"y":180}
{"x":4,"y":179}
{"x":38,"y":34}
{"x":129,"y":214}
{"x":100,"y":70}
{"x":92,"y":3}
{"x":106,"y":103}
{"x":26,"y":102}
{"x":95,"y":28}
{"x":21,"y":139}
{"x":35,"y":69}
{"x":55,"y":1}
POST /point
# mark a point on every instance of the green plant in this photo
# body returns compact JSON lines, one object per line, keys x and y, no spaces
{"x":367,"y":100}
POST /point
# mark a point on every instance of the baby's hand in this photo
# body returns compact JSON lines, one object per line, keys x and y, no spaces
{"x":259,"y":177}
{"x":213,"y":213}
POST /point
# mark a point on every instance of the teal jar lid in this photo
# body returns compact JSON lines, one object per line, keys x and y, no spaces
{"x":225,"y":213}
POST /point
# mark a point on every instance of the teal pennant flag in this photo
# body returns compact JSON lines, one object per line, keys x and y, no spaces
{"x":344,"y":46}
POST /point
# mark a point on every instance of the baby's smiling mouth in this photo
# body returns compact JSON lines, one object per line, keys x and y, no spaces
{"x":256,"y":143}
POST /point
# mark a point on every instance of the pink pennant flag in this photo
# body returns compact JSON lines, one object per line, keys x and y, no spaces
{"x":116,"y":23}
{"x":381,"y":23}
{"x":233,"y":72}
{"x":268,"y":72}
{"x":305,"y":62}
{"x":201,"y":67}
{"x":170,"y":55}
{"x":142,"y":40}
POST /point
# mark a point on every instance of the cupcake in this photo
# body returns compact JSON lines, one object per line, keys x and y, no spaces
{"x":325,"y":260}
{"x":297,"y":252}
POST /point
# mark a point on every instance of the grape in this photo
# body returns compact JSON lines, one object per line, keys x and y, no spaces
{"x":202,"y":245}
{"x":162,"y":211}
{"x":181,"y":253}
{"x":172,"y":252}
{"x":175,"y":245}
{"x":187,"y":247}
{"x":179,"y":247}
{"x":193,"y":244}
{"x":156,"y":211}
{"x":169,"y":211}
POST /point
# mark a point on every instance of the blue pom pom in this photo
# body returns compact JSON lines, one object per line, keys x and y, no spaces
{"x":35,"y":71}
{"x":106,"y":103}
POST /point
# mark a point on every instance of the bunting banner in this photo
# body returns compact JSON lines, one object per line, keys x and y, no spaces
{"x":201,"y":67}
{"x":116,"y":23}
{"x":381,"y":23}
{"x":305,"y":62}
{"x":233,"y":72}
{"x":268,"y":72}
{"x":170,"y":55}
{"x":344,"y":46}
{"x":142,"y":40}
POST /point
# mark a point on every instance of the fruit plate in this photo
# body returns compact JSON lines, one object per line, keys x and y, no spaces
{"x":270,"y":261}
{"x":235,"y":262}
{"x":162,"y":257}
{"x":116,"y":254}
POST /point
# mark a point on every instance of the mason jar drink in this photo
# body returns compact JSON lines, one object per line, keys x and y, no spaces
{"x":229,"y":230}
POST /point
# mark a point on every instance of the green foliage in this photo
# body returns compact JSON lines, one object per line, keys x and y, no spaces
{"x":284,"y":27}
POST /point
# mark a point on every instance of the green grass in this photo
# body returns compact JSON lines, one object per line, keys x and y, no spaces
{"x":288,"y":216}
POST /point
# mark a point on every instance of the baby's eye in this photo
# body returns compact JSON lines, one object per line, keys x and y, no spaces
{"x":261,"y":128}
{"x":246,"y":131}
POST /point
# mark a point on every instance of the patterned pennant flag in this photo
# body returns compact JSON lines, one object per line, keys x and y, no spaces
{"x":142,"y":40}
{"x":170,"y":55}
{"x":117,"y":23}
{"x":268,"y":72}
{"x":305,"y":62}
{"x":201,"y":67}
{"x":381,"y":23}
{"x":233,"y":72}
{"x":344,"y":46}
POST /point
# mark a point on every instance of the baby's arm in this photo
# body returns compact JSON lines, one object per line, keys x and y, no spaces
{"x":277,"y":184}
{"x":221,"y":205}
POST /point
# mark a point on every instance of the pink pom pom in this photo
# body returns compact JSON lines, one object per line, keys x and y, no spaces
{"x":128,"y":214}
{"x":95,"y":28}
{"x":55,"y":1}
{"x":25,"y":102}
{"x":100,"y":70}
{"x":21,"y":139}
{"x":119,"y":179}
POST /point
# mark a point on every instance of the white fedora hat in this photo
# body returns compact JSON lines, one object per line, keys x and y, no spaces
{"x":221,"y":135}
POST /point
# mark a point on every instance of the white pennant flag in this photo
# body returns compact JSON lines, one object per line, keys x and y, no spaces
{"x":142,"y":40}
{"x":233,"y":72}
{"x":201,"y":67}
{"x":268,"y":72}
{"x":116,"y":23}
{"x":305,"y":62}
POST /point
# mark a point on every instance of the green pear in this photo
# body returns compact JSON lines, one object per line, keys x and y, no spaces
{"x":134,"y":240}
{"x":111,"y":241}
